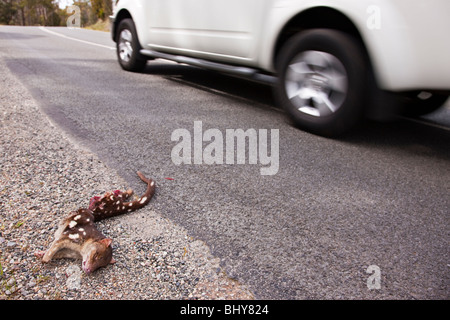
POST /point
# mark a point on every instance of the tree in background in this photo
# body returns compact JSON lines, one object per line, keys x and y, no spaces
{"x":102,"y":8}
{"x":88,"y":16}
{"x":30,"y":12}
{"x":7,"y":11}
{"x":48,"y":13}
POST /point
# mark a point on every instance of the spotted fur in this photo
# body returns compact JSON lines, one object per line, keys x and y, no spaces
{"x":78,"y":237}
{"x":114,"y":203}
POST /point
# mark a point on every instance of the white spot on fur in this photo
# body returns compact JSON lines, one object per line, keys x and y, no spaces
{"x":77,"y":217}
{"x":112,"y":198}
{"x":74,"y":236}
{"x":87,"y":220}
{"x":118,"y":202}
{"x":131,"y":204}
{"x":84,"y":233}
{"x":129,"y":210}
{"x":143,"y":200}
{"x":81,"y":229}
{"x":72,"y":224}
{"x":152,"y":184}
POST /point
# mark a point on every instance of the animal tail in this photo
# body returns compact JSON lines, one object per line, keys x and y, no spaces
{"x":113,"y":203}
{"x":146,"y":197}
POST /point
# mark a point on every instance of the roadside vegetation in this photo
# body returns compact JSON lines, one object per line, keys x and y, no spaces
{"x":93,"y":13}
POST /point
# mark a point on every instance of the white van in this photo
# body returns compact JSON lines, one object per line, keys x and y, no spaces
{"x":331,"y":62}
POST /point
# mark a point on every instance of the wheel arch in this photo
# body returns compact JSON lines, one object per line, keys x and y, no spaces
{"x":121,"y":15}
{"x":317,"y":17}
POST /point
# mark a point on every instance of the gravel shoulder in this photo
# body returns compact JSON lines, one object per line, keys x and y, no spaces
{"x":44,"y":175}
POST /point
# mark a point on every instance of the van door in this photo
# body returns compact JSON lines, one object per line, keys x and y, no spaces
{"x":219,"y":29}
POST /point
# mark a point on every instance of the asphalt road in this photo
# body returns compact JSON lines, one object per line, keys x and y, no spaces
{"x":377,"y":197}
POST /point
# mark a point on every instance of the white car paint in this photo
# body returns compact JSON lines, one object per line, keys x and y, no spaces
{"x":407,"y":40}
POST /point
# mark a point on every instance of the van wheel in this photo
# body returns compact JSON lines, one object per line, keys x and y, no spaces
{"x":128,"y":47}
{"x":321,"y":83}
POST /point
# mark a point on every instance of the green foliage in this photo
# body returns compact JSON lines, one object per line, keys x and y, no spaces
{"x":30,"y":12}
{"x":47,"y":12}
{"x":7,"y":11}
{"x":102,"y":8}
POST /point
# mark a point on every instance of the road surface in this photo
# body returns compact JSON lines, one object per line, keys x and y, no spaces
{"x":337,"y":216}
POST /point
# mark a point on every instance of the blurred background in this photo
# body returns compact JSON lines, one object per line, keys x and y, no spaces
{"x":94,"y":13}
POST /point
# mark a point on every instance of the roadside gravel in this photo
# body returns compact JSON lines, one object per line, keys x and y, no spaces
{"x":44,"y":176}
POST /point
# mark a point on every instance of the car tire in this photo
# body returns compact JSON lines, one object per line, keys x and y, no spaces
{"x":420,"y":103}
{"x":128,"y":47}
{"x":322,"y":77}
